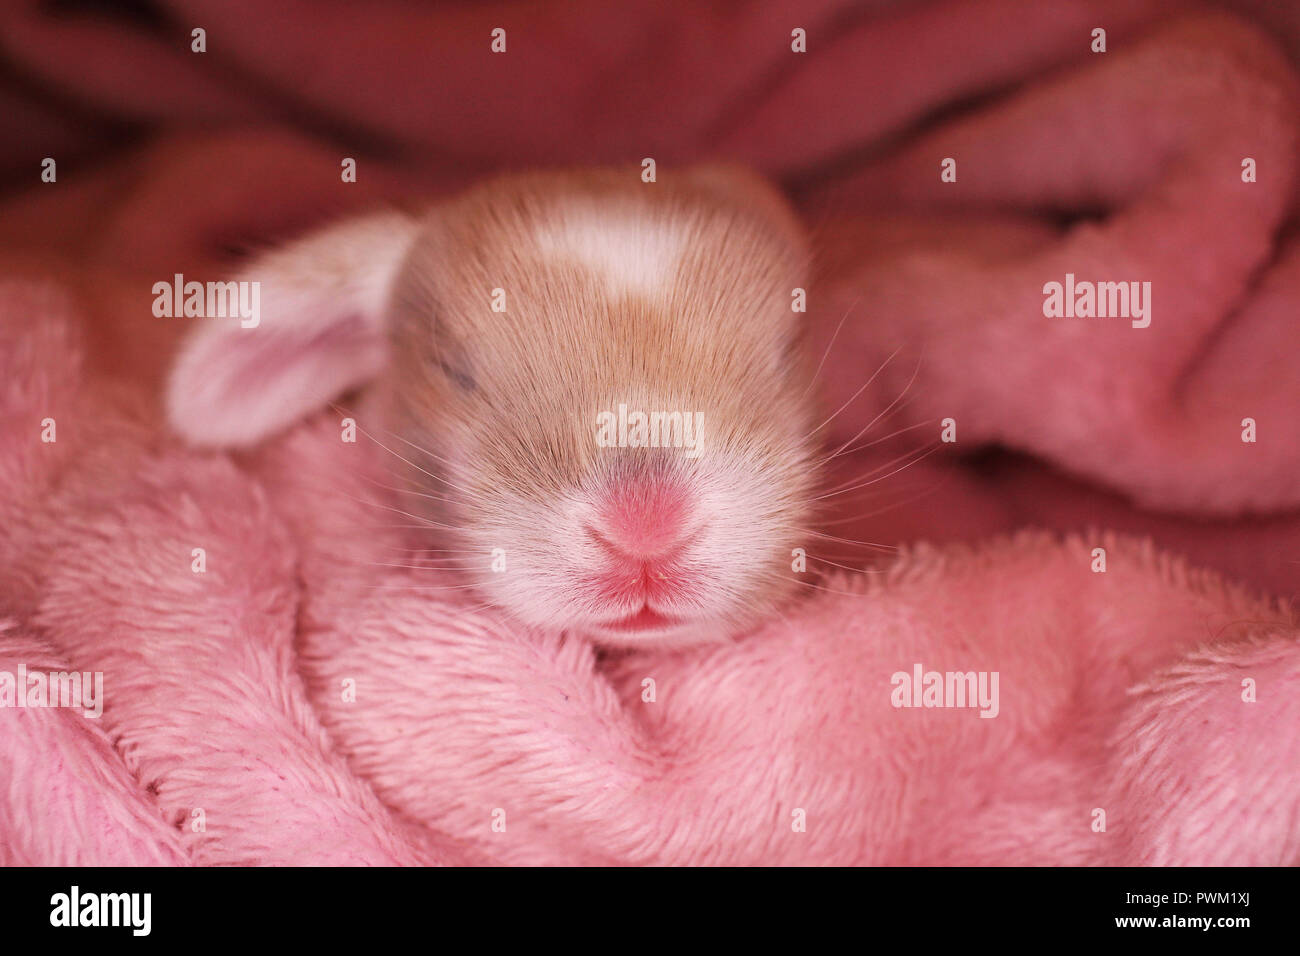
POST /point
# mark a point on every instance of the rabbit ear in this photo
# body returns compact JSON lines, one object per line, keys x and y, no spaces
{"x":315,"y":331}
{"x":743,"y":187}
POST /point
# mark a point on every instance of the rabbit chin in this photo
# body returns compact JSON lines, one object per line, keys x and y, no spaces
{"x":648,"y":626}
{"x":640,"y":626}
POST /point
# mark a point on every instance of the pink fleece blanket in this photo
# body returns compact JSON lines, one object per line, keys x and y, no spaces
{"x":275,"y":690}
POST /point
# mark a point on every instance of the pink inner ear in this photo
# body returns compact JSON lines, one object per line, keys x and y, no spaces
{"x":236,"y":386}
{"x":280,"y":348}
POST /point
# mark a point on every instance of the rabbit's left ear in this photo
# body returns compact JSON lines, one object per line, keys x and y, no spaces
{"x":317,"y":330}
{"x":742,"y":187}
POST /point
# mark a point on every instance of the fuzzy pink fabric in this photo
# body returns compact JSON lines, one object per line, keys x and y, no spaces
{"x":225,"y":690}
{"x":303,"y":701}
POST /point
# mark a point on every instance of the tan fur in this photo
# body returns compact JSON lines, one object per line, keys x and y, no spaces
{"x":671,"y":297}
{"x":718,"y":337}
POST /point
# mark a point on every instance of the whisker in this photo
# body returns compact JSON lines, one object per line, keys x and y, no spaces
{"x":829,"y":345}
{"x":865,"y":385}
{"x":421,"y":587}
{"x":898,"y":504}
{"x":882,"y":477}
{"x":435,"y":550}
{"x":822,"y":587}
{"x":424,"y":471}
{"x":427,"y":522}
{"x":843,"y":486}
{"x":846,"y":567}
{"x":871,"y":424}
{"x":866,"y":544}
{"x":408,"y":491}
{"x":884,"y":438}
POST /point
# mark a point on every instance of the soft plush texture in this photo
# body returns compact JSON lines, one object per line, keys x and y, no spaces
{"x":230,"y":692}
{"x":225,"y":689}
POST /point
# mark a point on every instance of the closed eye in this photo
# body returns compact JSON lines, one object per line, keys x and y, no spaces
{"x":463,"y":380}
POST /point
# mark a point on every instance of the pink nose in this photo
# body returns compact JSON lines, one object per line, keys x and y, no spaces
{"x":640,"y":530}
{"x":644,"y":518}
